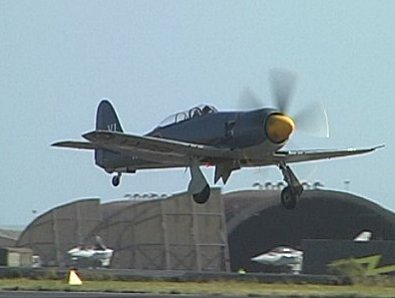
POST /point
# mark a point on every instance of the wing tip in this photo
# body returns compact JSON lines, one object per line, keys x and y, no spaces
{"x":381,"y":146}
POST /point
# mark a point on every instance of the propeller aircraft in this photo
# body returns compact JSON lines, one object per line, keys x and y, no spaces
{"x":202,"y":135}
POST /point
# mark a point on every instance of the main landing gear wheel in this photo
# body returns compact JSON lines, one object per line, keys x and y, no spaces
{"x":202,"y":196}
{"x":294,"y":189}
{"x":116,"y":180}
{"x":288,"y":198}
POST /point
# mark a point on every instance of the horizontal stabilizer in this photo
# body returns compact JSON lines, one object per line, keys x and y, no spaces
{"x":76,"y":145}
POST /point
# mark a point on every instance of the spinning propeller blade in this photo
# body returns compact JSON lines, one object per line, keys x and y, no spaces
{"x":283,"y":85}
{"x":312,"y":119}
{"x":249,"y":100}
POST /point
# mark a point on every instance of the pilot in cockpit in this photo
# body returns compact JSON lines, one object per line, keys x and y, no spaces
{"x":196,"y":113}
{"x":206,"y":110}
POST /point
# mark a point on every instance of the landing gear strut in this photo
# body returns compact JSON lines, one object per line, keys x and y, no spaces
{"x":294,"y":189}
{"x":198,"y":186}
{"x":116,"y":180}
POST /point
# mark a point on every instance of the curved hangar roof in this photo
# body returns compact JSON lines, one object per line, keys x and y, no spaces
{"x":257,"y":222}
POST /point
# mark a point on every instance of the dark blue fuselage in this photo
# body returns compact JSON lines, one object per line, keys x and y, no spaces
{"x":222,"y":129}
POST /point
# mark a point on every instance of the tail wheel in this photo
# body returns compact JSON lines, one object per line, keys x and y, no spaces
{"x":288,"y":198}
{"x":116,"y":180}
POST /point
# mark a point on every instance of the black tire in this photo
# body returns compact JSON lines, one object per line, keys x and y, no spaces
{"x":288,"y":198}
{"x":116,"y":180}
{"x":202,"y":196}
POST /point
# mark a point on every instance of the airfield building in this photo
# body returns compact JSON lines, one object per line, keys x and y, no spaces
{"x":175,"y":233}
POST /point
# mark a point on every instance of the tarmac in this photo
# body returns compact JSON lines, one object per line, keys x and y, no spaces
{"x":41,"y":294}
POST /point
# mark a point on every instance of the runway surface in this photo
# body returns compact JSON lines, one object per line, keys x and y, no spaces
{"x":43,"y":294}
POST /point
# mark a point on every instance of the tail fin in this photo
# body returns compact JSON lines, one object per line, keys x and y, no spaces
{"x":107,"y":119}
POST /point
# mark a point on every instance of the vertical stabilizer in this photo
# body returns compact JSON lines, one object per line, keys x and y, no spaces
{"x":106,"y":119}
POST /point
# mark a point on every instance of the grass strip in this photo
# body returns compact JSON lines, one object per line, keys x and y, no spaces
{"x":247,"y":289}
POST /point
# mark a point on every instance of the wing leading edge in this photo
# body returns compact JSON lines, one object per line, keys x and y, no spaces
{"x":311,"y":155}
{"x":126,"y":142}
{"x":167,"y":152}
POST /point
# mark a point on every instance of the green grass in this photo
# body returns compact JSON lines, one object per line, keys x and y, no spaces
{"x":247,"y":289}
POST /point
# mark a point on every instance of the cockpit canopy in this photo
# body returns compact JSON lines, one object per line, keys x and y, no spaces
{"x":197,"y":111}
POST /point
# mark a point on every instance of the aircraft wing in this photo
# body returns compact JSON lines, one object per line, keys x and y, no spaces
{"x":170,"y":152}
{"x":310,"y":155}
{"x":140,"y":145}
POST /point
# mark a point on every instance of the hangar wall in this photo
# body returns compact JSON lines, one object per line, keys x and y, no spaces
{"x":257,"y":222}
{"x":8,"y":239}
{"x":52,"y":234}
{"x":171,"y":234}
{"x":177,"y":234}
{"x":376,"y":256}
{"x":161,"y":234}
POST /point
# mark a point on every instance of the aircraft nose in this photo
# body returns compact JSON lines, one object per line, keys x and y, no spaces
{"x":279,"y":127}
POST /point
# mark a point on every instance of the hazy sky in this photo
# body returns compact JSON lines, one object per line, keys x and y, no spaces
{"x":153,"y":58}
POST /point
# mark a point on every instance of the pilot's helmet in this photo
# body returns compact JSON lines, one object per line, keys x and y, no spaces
{"x":206,"y":110}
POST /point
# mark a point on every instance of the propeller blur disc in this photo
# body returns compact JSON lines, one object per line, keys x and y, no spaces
{"x":313,"y":120}
{"x":249,"y":100}
{"x":283,"y":85}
